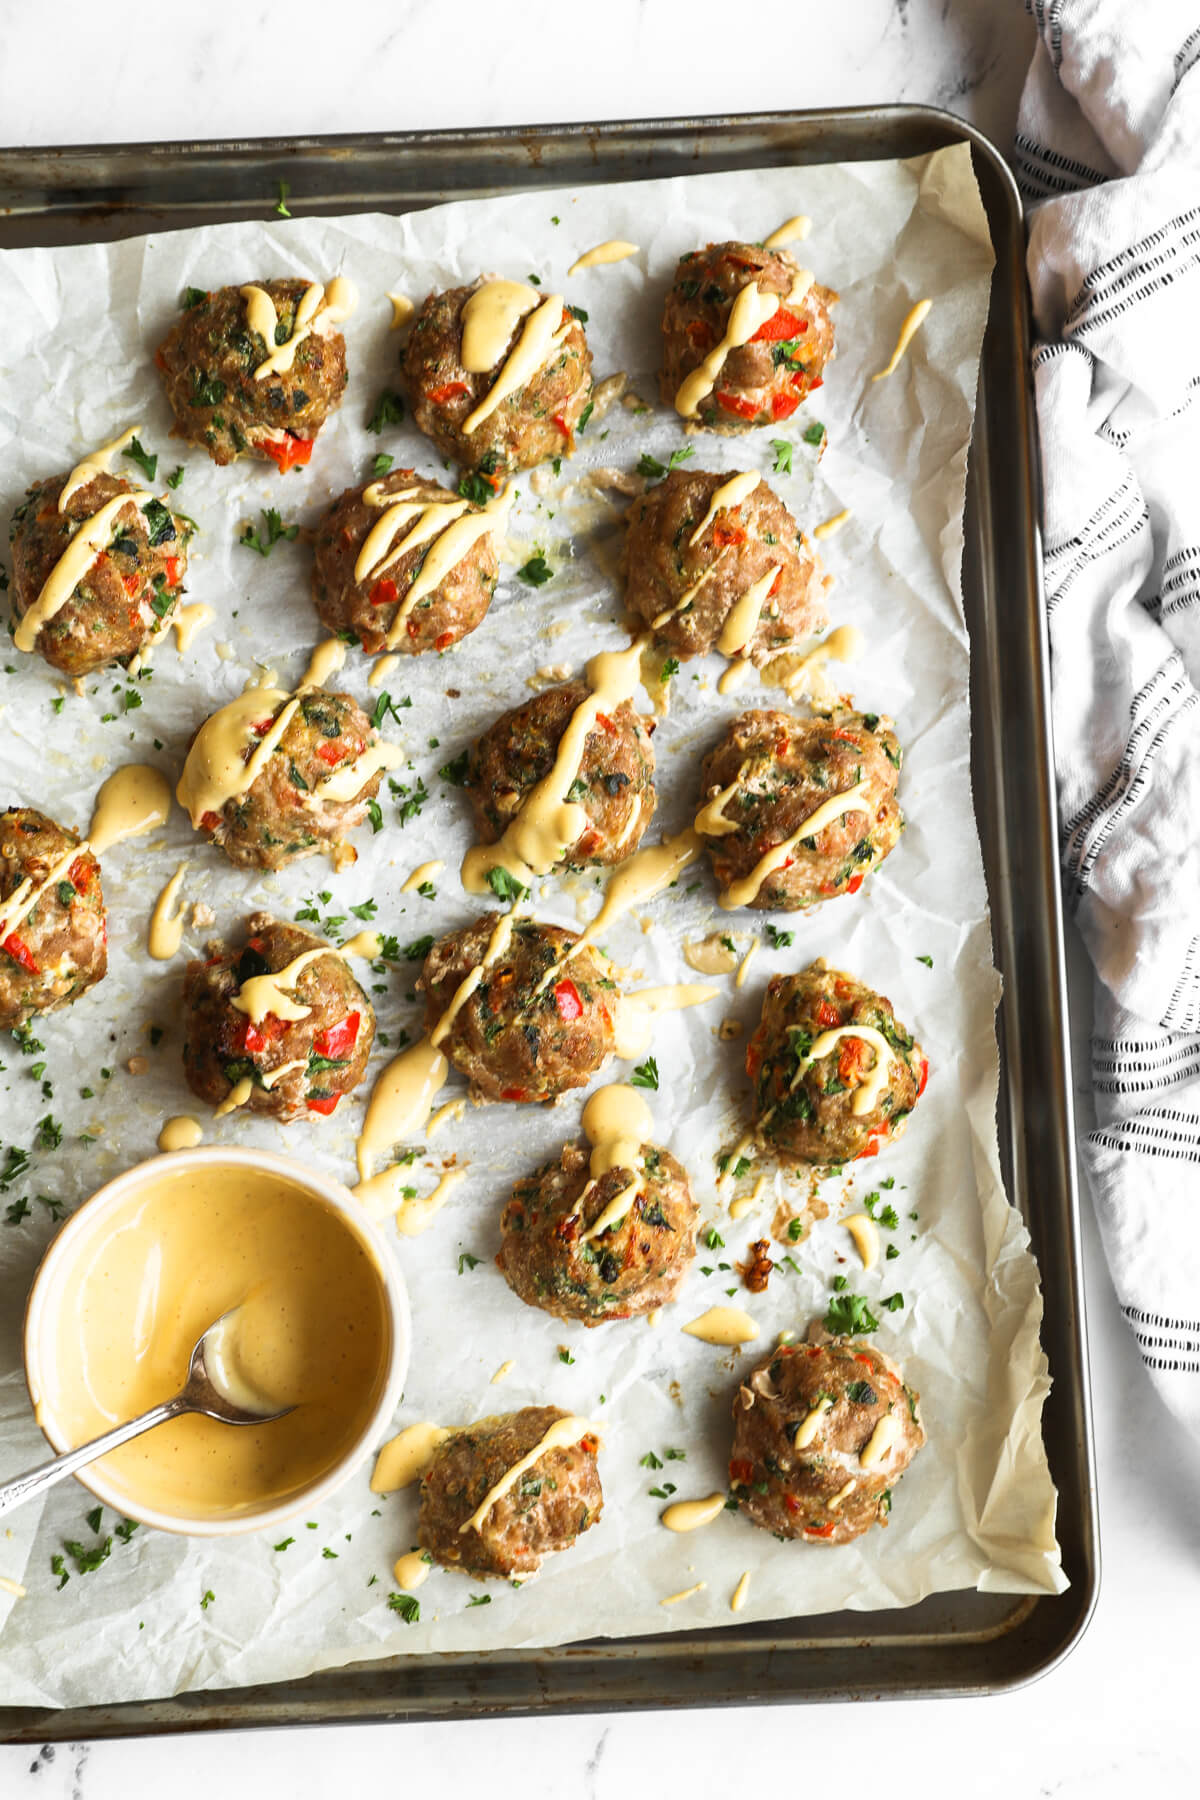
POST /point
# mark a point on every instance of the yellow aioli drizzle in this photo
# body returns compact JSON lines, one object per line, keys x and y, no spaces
{"x":325,"y":661}
{"x":711,"y":955}
{"x":383,"y":1195}
{"x":329,"y":304}
{"x":84,"y":550}
{"x":811,"y":1423}
{"x":684,"y":1594}
{"x":187,"y":622}
{"x":637,"y":880}
{"x":345,"y":783}
{"x":405,"y":1458}
{"x":633,"y":1024}
{"x":611,"y":251}
{"x":9,"y":1586}
{"x":711,"y":820}
{"x":789,"y":232}
{"x":366,"y":944}
{"x":867,"y":1095}
{"x":237,"y":1097}
{"x":738,"y":1599}
{"x":726,"y":498}
{"x":489,"y":317}
{"x":96,"y":462}
{"x":134,"y":800}
{"x":912,"y":324}
{"x":561,"y":1435}
{"x":724,"y":1326}
{"x":448,"y":550}
{"x":547,"y":823}
{"x":865,"y":1235}
{"x":180,"y":1133}
{"x":452,"y":1112}
{"x":749,"y":312}
{"x":689,"y":594}
{"x":728,"y":1177}
{"x":752,"y":952}
{"x":801,"y":674}
{"x":741,"y":893}
{"x":402,"y":310}
{"x":736,"y":675}
{"x":690,"y":1515}
{"x":744,"y":1204}
{"x":405,"y":506}
{"x":829,"y":526}
{"x":271,"y":1078}
{"x":742,"y":620}
{"x":166,"y":925}
{"x":382,"y":668}
{"x":502,"y":1373}
{"x":843,"y":1493}
{"x":880,"y":1442}
{"x":214,"y":772}
{"x":546,"y":328}
{"x":264,"y":994}
{"x":422,"y":873}
{"x":616,"y":1122}
{"x":411,"y":1570}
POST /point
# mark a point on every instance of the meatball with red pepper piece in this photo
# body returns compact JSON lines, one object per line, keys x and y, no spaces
{"x":760,"y":381}
{"x":126,"y":593}
{"x":536,"y":1023}
{"x":769,"y":777}
{"x":536,"y":419}
{"x":835,"y":1074}
{"x":614,"y":782}
{"x":822,"y":1432}
{"x":553,"y":1257}
{"x":56,"y":949}
{"x":372,"y":599}
{"x":211,"y":359}
{"x":688,"y":564}
{"x":293,"y":1067}
{"x":544,"y":1510}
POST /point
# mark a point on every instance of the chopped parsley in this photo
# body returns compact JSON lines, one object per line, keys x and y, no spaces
{"x":506,"y":887}
{"x":861,"y":1393}
{"x":174,"y":479}
{"x":536,"y":572}
{"x":894,"y":1302}
{"x":783,"y":456}
{"x":645,"y":1075}
{"x":382,"y":464}
{"x":285,"y":1544}
{"x":480,"y":1600}
{"x":585,"y":415}
{"x":815,"y":434}
{"x":455,"y":772}
{"x":146,"y":463}
{"x":276,"y":529}
{"x":385,"y":705}
{"x":467,"y":1261}
{"x":208,"y":1596}
{"x":389,"y":410}
{"x":281,"y":205}
{"x":713,"y":1239}
{"x":927,"y":960}
{"x":849,"y":1316}
{"x":662,"y":1493}
{"x":365,"y":910}
{"x":780,"y":940}
{"x":650,"y":1461}
{"x":407,"y":1605}
{"x":419,"y":949}
{"x":564,"y":1355}
{"x":193,"y":297}
{"x":669,"y":668}
{"x":653,"y":470}
{"x":375,"y":814}
{"x":795,"y":1230}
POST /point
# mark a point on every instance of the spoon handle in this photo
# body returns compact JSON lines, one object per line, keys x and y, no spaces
{"x":35,"y":1481}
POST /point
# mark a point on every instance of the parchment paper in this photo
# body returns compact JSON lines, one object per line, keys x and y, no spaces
{"x":978,"y":1504}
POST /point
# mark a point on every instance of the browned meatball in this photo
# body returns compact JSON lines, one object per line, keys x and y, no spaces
{"x":686,"y":591}
{"x":208,"y":361}
{"x":224,"y":1046}
{"x":764,"y":381}
{"x":547,"y":1507}
{"x":614,"y":784}
{"x":808,"y":1109}
{"x":59,"y":948}
{"x":822,"y":1432}
{"x":534,"y":422}
{"x":513,"y":1038}
{"x":129,"y":591}
{"x":634,"y":1266}
{"x":369,"y":608}
{"x":782,"y":771}
{"x":283,"y":815}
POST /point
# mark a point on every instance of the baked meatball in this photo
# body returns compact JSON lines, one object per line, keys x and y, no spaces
{"x":209,"y":361}
{"x":687,"y":567}
{"x":546,"y":1508}
{"x":59,"y":948}
{"x":284,"y":814}
{"x":821,"y":1434}
{"x":761,"y":382}
{"x":633,"y":1266}
{"x":769,"y":775}
{"x":323,"y":1055}
{"x":123,"y":598}
{"x":513,"y":1039}
{"x":840,"y":1105}
{"x":537,"y":420}
{"x":371,"y":607}
{"x":614,"y":784}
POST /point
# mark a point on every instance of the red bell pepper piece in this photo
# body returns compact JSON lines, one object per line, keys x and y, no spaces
{"x":821,"y":1531}
{"x":725,"y":535}
{"x":339,"y":1039}
{"x":323,"y":1106}
{"x":603,"y":720}
{"x":741,"y":1472}
{"x":443,"y":640}
{"x":782,"y":324}
{"x":385,"y":593}
{"x":783,"y":405}
{"x":20,"y":952}
{"x":448,"y":390}
{"x":331,"y":750}
{"x":733,"y":403}
{"x":514,"y":1094}
{"x":267,"y":1031}
{"x":291,"y":453}
{"x":854,"y":883}
{"x":923,"y":1077}
{"x":566,"y":998}
{"x":828,"y":1014}
{"x":172,"y":571}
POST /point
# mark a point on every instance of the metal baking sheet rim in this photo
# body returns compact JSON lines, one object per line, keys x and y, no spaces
{"x":947,"y":1645}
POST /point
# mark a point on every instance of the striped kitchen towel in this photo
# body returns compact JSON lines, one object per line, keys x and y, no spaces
{"x":1108,"y":156}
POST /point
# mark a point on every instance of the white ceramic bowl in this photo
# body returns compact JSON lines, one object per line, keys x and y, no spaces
{"x":40,"y":1315}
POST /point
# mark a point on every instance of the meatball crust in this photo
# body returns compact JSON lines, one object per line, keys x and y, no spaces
{"x":614,"y":784}
{"x":806,"y":1110}
{"x":282,"y":816}
{"x":782,"y":770}
{"x":545,"y":1510}
{"x":631,"y":1268}
{"x":764,"y":381}
{"x":208,"y":359}
{"x":127,"y":595}
{"x":60,"y":948}
{"x":512,"y":1041}
{"x":801,"y":1425}
{"x":369,"y":608}
{"x":222,"y":1046}
{"x":536,"y":421}
{"x":738,"y":547}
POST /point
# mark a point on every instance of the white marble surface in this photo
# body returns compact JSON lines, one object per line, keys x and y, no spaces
{"x":1121,"y":1710}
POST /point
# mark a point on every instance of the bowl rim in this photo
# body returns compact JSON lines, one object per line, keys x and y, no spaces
{"x":48,"y":1278}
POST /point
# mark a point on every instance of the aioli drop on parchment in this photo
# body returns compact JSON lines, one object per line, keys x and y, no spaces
{"x":912,"y":324}
{"x":724,"y":1326}
{"x":404,"y":1459}
{"x":611,"y":251}
{"x":411,"y":1570}
{"x":690,"y":1515}
{"x":166,"y":921}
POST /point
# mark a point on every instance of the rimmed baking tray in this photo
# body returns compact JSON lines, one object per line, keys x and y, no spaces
{"x":950,"y":1644}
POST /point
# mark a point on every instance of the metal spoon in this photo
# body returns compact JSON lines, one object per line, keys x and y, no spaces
{"x":210,"y":1376}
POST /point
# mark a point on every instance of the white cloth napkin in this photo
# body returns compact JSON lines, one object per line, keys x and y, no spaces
{"x":1108,"y":156}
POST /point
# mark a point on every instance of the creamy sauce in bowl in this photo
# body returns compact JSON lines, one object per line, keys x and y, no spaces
{"x":155,"y":1258}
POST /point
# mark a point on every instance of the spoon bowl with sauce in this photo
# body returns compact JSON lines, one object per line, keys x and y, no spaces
{"x":208,"y":1288}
